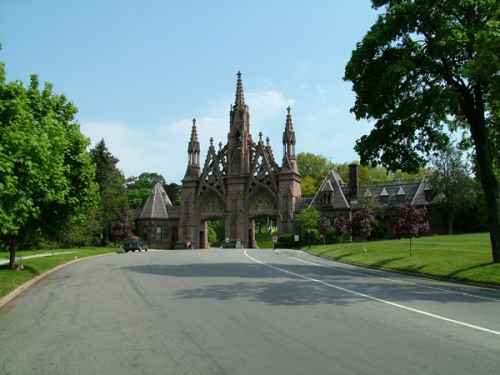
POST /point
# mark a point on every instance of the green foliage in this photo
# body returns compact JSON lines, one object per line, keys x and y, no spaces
{"x":415,"y":68}
{"x":426,"y":68}
{"x":46,"y":177}
{"x":370,"y":175}
{"x":313,"y":169}
{"x":287,"y":240}
{"x":264,"y":240}
{"x":332,"y":236}
{"x":307,"y":219}
{"x":216,"y":232}
{"x":452,"y":185}
{"x":139,"y":188}
{"x":212,"y":236}
{"x":309,"y":186}
{"x":113,"y":196}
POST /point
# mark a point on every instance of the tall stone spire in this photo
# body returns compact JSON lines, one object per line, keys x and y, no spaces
{"x":193,"y":152}
{"x":289,"y":137}
{"x":240,"y":99}
{"x":239,"y":137}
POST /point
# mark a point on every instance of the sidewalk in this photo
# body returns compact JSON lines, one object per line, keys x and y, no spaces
{"x":5,"y":261}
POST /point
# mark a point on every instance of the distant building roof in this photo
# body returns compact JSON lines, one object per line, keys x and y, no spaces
{"x":408,"y":192}
{"x":157,"y":204}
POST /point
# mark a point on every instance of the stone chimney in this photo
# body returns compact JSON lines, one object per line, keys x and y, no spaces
{"x":353,"y":181}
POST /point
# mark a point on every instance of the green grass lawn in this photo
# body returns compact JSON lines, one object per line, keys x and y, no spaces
{"x":461,"y":257}
{"x":10,"y":280}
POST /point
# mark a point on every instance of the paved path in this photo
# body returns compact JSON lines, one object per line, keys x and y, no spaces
{"x":6,"y":261}
{"x":246,"y":312}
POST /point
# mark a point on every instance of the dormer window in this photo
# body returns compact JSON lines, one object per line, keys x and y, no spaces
{"x":384,"y":196}
{"x":401,"y":195}
{"x":327,"y":194}
{"x":328,"y":198}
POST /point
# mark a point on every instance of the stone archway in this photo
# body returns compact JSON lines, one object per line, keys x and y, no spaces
{"x":261,"y":204}
{"x":239,"y":181}
{"x":211,"y":208}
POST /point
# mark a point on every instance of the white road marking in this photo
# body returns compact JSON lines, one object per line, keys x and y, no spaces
{"x":375,"y":298}
{"x":400,"y":281}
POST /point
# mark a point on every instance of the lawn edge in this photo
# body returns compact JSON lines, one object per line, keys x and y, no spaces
{"x":28,"y":284}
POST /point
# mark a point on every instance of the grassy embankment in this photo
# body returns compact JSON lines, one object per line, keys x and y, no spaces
{"x":461,"y":257}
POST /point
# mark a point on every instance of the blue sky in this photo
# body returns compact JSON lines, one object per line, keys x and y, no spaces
{"x":140,"y":71}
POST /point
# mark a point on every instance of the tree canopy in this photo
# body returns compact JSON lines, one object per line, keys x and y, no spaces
{"x":113,"y":203}
{"x":423,"y":70}
{"x":46,"y":176}
{"x":139,"y":188}
{"x":410,"y":221}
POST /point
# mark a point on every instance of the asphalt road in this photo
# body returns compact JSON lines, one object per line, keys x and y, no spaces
{"x":246,"y":312}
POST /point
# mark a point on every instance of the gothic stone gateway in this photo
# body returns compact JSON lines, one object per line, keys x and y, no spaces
{"x":238,"y":183}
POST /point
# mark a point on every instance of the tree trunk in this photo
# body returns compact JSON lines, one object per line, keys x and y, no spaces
{"x":450,"y":223}
{"x":411,"y":253}
{"x":12,"y":248}
{"x":489,"y":181}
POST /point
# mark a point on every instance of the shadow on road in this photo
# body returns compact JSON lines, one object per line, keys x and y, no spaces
{"x":297,"y":285}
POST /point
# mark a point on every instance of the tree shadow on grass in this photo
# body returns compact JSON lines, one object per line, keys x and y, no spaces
{"x":455,"y":273}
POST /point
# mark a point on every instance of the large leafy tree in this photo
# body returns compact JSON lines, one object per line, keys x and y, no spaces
{"x":113,"y":196}
{"x":46,"y":176}
{"x":426,"y":68}
{"x":313,"y":169}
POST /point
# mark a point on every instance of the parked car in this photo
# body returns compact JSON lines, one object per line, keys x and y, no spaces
{"x":134,"y":243}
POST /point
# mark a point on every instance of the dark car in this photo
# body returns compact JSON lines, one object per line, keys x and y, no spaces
{"x":134,"y":243}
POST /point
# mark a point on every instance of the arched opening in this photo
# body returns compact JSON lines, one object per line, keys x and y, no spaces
{"x":216,"y":232}
{"x":263,"y":230}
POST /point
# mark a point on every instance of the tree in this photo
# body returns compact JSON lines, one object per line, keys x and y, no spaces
{"x":313,"y":169}
{"x":369,"y":175}
{"x":362,"y":223}
{"x":410,"y":221}
{"x":173,"y":191}
{"x":451,"y":183}
{"x":139,"y":188}
{"x":424,"y":65}
{"x":307,"y":220}
{"x":46,"y":176}
{"x":308,"y":186}
{"x":343,"y":225}
{"x":324,"y":227}
{"x":113,"y":196}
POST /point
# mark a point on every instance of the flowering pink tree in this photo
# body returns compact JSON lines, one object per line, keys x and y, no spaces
{"x":362,"y":222}
{"x":410,"y":221}
{"x":343,"y":225}
{"x":324,"y":227}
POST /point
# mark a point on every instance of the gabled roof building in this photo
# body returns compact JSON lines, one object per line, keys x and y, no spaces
{"x":335,"y":198}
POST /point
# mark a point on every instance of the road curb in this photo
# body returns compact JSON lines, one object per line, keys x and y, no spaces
{"x":28,"y":284}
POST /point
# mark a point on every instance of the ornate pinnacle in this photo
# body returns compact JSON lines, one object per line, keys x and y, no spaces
{"x":240,"y":99}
